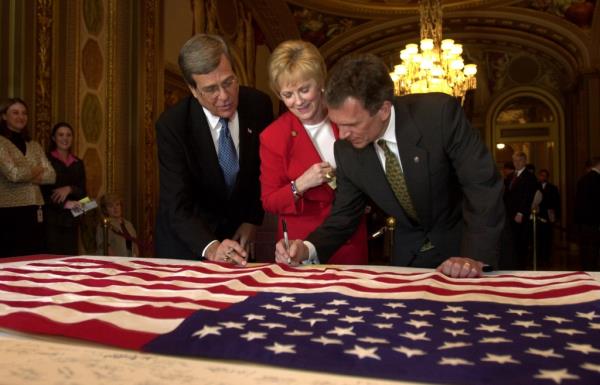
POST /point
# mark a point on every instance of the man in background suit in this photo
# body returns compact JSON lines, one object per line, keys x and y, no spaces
{"x":453,"y":203}
{"x":518,"y":199}
{"x":587,"y":216}
{"x":208,"y":159}
{"x":548,"y":213}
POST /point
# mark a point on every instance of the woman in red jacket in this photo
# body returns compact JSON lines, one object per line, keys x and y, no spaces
{"x":296,"y":151}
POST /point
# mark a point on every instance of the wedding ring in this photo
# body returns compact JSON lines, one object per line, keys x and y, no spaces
{"x":328,"y":176}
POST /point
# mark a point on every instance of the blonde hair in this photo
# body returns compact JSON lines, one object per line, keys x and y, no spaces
{"x":107,"y":200}
{"x":295,"y":60}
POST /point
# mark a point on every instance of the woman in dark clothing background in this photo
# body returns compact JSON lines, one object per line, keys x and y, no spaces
{"x":61,"y":197}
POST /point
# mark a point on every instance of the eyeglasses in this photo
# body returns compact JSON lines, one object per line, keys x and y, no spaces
{"x":212,"y":92}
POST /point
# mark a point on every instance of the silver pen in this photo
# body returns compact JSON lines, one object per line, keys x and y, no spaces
{"x":286,"y":241}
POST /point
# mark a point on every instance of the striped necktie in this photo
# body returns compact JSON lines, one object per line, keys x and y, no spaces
{"x":228,"y":159}
{"x":396,"y":179}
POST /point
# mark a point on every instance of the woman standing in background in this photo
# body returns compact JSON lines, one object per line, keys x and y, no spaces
{"x":23,"y":168}
{"x":61,"y":197}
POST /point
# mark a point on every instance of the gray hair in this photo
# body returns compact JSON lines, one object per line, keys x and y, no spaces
{"x":201,"y":55}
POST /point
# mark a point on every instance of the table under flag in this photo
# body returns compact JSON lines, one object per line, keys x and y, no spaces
{"x":364,"y":321}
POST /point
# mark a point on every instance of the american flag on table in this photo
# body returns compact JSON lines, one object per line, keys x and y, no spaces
{"x":358,"y":321}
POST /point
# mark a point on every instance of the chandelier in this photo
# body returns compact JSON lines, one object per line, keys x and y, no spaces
{"x":439,"y":67}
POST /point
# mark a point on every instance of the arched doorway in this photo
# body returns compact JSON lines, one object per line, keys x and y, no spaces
{"x":529,"y":120}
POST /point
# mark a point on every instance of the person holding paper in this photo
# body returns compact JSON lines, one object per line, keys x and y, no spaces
{"x":209,"y":203}
{"x":296,"y":150}
{"x":62,"y":226}
{"x":419,"y":160}
{"x":23,"y":168}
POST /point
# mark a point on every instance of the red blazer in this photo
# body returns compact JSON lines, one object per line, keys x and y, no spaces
{"x":286,"y":151}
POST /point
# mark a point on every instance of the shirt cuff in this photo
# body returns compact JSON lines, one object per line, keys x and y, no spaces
{"x":312,"y":255}
{"x":207,"y":246}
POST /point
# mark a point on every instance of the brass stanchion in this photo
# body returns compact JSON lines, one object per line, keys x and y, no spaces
{"x":105,"y":223}
{"x":388,"y":237}
{"x":534,"y":221}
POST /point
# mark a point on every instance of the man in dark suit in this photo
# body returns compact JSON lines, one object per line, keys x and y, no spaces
{"x":518,"y":198}
{"x":548,"y":213}
{"x":451,"y":202}
{"x":587,"y":216}
{"x":208,"y":158}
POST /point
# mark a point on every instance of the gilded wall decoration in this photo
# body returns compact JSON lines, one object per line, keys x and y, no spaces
{"x":93,"y":171}
{"x":93,"y":15}
{"x":318,"y":28}
{"x":43,"y":83}
{"x":92,"y":64}
{"x":92,"y":119}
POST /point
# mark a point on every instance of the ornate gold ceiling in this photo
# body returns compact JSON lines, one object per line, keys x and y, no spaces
{"x":562,"y":36}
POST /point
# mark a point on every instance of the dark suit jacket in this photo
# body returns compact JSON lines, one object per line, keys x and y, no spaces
{"x":451,"y":177}
{"x":194,"y":208}
{"x":550,"y":201}
{"x":587,"y":200}
{"x":519,"y":195}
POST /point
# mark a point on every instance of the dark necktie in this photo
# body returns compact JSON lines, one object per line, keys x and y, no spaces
{"x":228,"y":159}
{"x":396,"y":179}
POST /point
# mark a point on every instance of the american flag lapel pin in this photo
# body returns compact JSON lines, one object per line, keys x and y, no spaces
{"x":249,"y":130}
{"x":294,"y":133}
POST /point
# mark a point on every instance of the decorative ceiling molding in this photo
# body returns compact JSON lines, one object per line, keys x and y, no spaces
{"x":274,"y":18}
{"x":389,"y":8}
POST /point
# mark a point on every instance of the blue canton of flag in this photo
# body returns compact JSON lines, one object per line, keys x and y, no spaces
{"x":418,"y":340}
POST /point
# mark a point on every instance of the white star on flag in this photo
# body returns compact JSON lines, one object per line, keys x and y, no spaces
{"x":313,"y":321}
{"x":373,"y":340}
{"x":303,"y":306}
{"x":544,"y":353}
{"x":589,"y":316}
{"x":558,"y":320}
{"x":415,"y":336}
{"x":273,"y":325}
{"x":594,"y":325}
{"x":327,"y":341}
{"x":453,"y":345}
{"x":208,"y":330}
{"x":278,"y":348}
{"x":421,"y":313}
{"x":269,"y":306}
{"x":298,"y":333}
{"x":454,"y":309}
{"x":338,"y":302}
{"x":361,"y":309}
{"x":351,"y":320}
{"x":290,"y":314}
{"x":535,"y":336}
{"x":490,"y":328}
{"x":518,"y":312}
{"x":418,"y":324}
{"x":556,"y":375}
{"x":361,"y":352}
{"x":486,"y":316}
{"x":233,"y":325}
{"x":501,"y":359}
{"x":383,"y":326}
{"x":285,"y":298}
{"x":582,"y":348}
{"x":327,"y":312}
{"x":394,"y":305}
{"x":454,"y":320}
{"x":526,"y":324}
{"x":456,"y":332}
{"x":389,"y":315}
{"x":251,"y":317}
{"x":342,"y":331}
{"x":590,"y":366}
{"x":454,"y":361}
{"x":494,"y":340}
{"x":570,"y":332}
{"x":249,"y":336}
{"x":409,"y":352}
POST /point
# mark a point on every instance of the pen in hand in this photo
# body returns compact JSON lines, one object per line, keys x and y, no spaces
{"x":286,"y":241}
